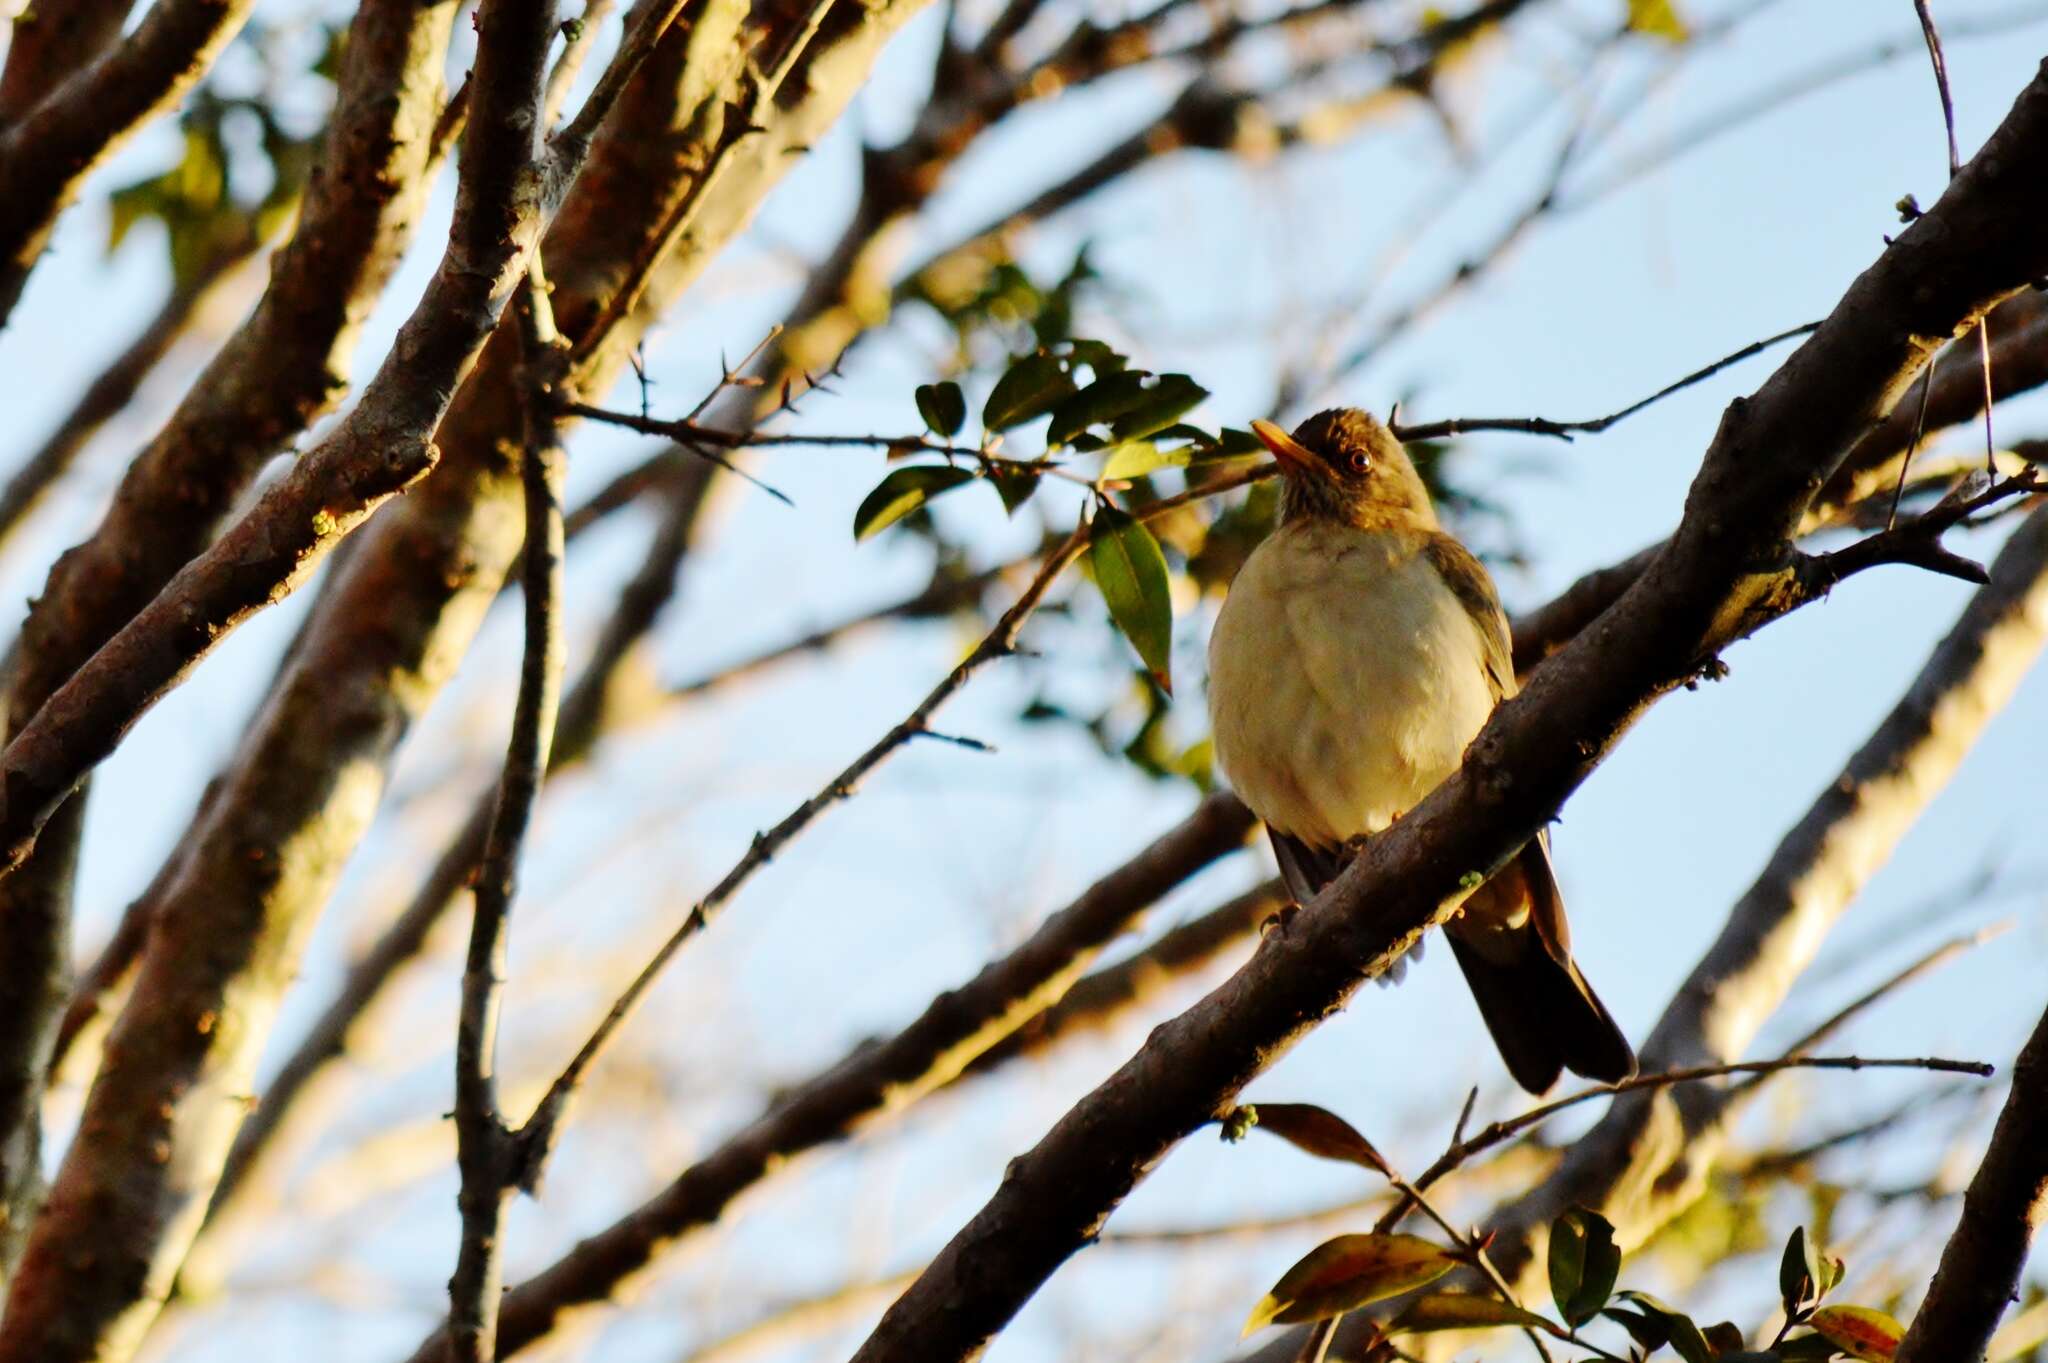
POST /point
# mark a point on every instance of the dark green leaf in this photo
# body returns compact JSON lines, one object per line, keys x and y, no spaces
{"x":1030,"y":388}
{"x":1723,"y":1338}
{"x":1232,"y":443}
{"x":1098,"y":404}
{"x":1796,"y":1284}
{"x":902,"y":492}
{"x":1131,"y":572}
{"x":1584,"y":1261}
{"x":1807,"y":1349}
{"x":1099,"y":356}
{"x":943,"y":407}
{"x":1166,"y":402}
{"x":1014,"y":485}
{"x":1683,"y":1336}
{"x":1646,"y":1329}
{"x":1463,"y":1311}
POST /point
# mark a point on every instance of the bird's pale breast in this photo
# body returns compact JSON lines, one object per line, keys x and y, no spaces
{"x":1345,"y":679}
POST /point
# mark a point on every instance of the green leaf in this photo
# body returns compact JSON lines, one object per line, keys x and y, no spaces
{"x":1583,"y":1264}
{"x":1658,"y":18}
{"x":1582,"y":1245}
{"x":1136,"y":458}
{"x":1807,"y":1349}
{"x":1796,"y":1279}
{"x":902,"y":492}
{"x":1349,"y":1272}
{"x":943,"y":407}
{"x":1101,"y":358}
{"x":1131,"y":572}
{"x":1680,"y":1333}
{"x":1098,"y":404}
{"x":1859,"y":1331}
{"x":1724,"y":1338}
{"x":1166,"y":402}
{"x":1231,"y":443}
{"x":1030,"y":388}
{"x":1645,"y":1329}
{"x":1319,"y":1132}
{"x":1014,"y":485}
{"x":1464,"y":1311}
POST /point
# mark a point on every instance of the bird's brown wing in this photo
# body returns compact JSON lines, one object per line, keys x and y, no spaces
{"x":1467,"y":579}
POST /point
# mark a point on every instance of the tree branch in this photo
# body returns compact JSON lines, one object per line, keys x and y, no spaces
{"x":487,"y":1152}
{"x":64,"y":1304}
{"x":1981,"y":1266}
{"x":1722,"y":576}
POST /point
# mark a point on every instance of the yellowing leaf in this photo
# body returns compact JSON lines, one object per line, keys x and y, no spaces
{"x":902,"y":492}
{"x":1859,"y":1331}
{"x":1346,"y":1273}
{"x":1319,"y":1132}
{"x":1464,"y":1311}
{"x":1658,"y":18}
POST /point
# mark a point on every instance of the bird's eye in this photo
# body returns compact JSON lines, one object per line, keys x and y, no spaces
{"x":1359,"y":462}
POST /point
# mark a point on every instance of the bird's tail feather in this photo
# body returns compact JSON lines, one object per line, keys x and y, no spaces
{"x":1543,"y":1015}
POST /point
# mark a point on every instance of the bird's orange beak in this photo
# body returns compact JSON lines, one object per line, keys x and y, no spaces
{"x":1292,"y":456}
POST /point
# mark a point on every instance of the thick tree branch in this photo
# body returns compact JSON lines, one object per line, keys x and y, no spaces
{"x":285,"y":366}
{"x":50,"y":149}
{"x":49,"y":43}
{"x":2007,"y":1202}
{"x":304,"y":782}
{"x":1723,"y":575}
{"x":873,"y":1079}
{"x":65,"y":1304}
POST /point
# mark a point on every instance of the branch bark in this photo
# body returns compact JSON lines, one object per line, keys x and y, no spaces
{"x":303,"y":785}
{"x":1728,"y":570}
{"x":284,"y":367}
{"x":2007,"y":1201}
{"x":65,"y":1304}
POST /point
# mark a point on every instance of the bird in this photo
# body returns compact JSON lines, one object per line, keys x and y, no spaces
{"x":1357,"y":653}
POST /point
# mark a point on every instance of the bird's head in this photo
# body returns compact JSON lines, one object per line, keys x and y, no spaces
{"x":1344,"y":465}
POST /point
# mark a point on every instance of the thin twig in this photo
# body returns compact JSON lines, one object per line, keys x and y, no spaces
{"x":1926,"y":964}
{"x":539,"y":1132}
{"x":487,"y":1155}
{"x":1496,"y":1132}
{"x":1948,"y":106}
{"x":1564,"y":430}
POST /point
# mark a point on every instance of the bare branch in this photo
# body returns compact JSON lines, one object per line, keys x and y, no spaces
{"x":64,"y":1304}
{"x":282,"y":368}
{"x":1981,"y":1266}
{"x":1564,"y":430}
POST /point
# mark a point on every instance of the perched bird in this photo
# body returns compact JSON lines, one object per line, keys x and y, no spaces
{"x":1359,"y":651}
